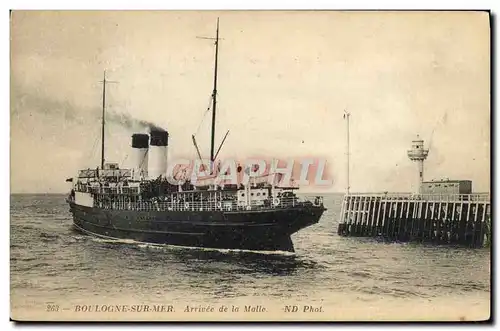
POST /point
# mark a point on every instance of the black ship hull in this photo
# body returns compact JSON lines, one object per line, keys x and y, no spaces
{"x":261,"y":230}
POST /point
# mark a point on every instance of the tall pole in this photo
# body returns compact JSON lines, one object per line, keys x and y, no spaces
{"x":103,"y":118}
{"x":214,"y":99}
{"x":346,"y":116}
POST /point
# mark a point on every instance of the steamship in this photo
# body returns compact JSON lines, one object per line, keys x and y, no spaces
{"x":143,"y":205}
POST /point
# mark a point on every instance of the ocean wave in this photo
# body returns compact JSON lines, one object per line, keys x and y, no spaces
{"x":17,"y":246}
{"x":24,"y":259}
{"x":362,"y":274}
{"x":30,"y":267}
{"x":46,"y":235}
{"x":461,"y":286}
{"x":394,"y":292}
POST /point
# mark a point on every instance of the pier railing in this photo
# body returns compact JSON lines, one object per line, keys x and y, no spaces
{"x":463,"y":219}
{"x":425,"y":197}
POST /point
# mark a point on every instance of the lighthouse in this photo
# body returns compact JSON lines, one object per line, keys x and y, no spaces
{"x":418,"y":154}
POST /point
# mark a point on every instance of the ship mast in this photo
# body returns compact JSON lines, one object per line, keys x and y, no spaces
{"x":214,"y":99}
{"x":104,"y":82}
{"x":213,"y":154}
{"x":103,"y":118}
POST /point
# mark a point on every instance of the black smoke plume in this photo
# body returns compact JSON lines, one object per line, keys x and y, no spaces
{"x":131,"y":123}
{"x":27,"y":101}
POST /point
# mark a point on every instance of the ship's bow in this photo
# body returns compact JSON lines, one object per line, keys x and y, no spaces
{"x":306,"y":216}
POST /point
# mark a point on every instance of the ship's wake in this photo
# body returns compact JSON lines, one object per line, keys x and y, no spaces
{"x":144,"y":245}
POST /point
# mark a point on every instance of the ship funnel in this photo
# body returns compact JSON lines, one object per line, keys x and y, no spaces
{"x":140,"y":144}
{"x":158,"y":153}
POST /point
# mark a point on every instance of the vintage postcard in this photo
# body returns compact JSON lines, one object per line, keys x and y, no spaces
{"x":250,"y":166}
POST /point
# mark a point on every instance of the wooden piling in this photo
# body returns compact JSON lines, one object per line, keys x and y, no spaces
{"x":440,"y":219}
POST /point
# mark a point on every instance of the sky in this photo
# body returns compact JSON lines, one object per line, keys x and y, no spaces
{"x":285,"y":79}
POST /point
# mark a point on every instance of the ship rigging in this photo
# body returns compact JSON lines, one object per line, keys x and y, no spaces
{"x":213,"y":153}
